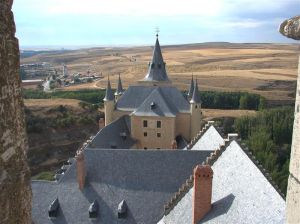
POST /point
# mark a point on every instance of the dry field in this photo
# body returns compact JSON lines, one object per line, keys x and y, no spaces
{"x":210,"y":114}
{"x":266,"y":69}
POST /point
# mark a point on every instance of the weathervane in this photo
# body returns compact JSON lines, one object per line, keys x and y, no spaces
{"x":157,"y":31}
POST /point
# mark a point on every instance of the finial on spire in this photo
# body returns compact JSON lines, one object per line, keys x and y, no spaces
{"x":157,"y":31}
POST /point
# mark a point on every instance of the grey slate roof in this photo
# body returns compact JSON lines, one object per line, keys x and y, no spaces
{"x":191,"y":89}
{"x":196,"y":95}
{"x":109,"y":96}
{"x":211,"y":140}
{"x":113,"y":135}
{"x":241,"y":194}
{"x":146,"y":180}
{"x":119,"y":89}
{"x":134,"y":96}
{"x":157,"y":69}
{"x":156,"y":105}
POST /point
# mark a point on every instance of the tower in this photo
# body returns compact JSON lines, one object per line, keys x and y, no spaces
{"x":195,"y":108}
{"x":109,"y":104}
{"x":119,"y":90}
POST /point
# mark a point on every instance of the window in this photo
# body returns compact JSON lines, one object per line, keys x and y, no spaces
{"x":158,"y":135}
{"x":145,"y":134}
{"x":145,"y":124}
{"x":145,"y":148}
{"x":158,"y":124}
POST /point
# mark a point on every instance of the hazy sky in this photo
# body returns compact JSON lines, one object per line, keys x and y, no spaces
{"x":120,"y":22}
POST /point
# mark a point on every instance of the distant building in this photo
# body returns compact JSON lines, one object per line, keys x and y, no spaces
{"x":159,"y":114}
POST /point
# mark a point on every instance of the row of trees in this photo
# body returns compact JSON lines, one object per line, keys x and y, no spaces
{"x":232,"y":100}
{"x":210,"y":99}
{"x":269,"y":135}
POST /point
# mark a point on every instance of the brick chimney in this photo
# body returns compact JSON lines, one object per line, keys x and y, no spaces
{"x":203,"y":175}
{"x":80,"y":169}
{"x":101,"y":123}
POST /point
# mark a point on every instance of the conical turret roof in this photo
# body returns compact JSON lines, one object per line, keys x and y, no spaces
{"x":109,"y":96}
{"x":157,"y":67}
{"x":119,"y":90}
{"x":196,"y":95}
{"x":191,"y":90}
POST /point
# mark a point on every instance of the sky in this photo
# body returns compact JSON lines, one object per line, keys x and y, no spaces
{"x":74,"y":23}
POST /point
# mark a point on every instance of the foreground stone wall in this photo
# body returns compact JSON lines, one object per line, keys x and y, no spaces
{"x":15,"y":193}
{"x":291,"y":28}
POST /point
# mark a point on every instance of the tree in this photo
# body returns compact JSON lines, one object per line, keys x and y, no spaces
{"x":15,"y":192}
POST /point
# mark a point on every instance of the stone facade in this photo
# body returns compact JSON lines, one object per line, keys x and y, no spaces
{"x":293,"y":191}
{"x":15,"y":192}
{"x":291,"y":28}
{"x":153,"y":137}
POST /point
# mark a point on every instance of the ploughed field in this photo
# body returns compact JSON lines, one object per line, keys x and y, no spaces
{"x":266,"y":69}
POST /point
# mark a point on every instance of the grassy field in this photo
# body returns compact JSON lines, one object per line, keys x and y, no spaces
{"x":266,"y":69}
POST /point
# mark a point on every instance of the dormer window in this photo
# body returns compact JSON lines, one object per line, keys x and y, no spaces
{"x":122,"y":210}
{"x":53,"y":209}
{"x":152,"y":65}
{"x":152,"y":105}
{"x":93,"y":210}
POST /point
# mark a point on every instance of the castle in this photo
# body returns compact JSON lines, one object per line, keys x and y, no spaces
{"x":160,"y":116}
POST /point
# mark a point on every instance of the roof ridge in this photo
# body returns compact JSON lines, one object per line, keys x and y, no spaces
{"x":265,"y":172}
{"x":210,"y":160}
{"x":200,"y":134}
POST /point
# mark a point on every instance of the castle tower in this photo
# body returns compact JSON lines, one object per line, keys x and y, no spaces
{"x":119,"y":90}
{"x":191,"y":90}
{"x":109,"y":104}
{"x":196,"y":114}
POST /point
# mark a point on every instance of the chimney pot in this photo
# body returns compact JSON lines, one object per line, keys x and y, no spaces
{"x":80,"y":169}
{"x":203,"y":175}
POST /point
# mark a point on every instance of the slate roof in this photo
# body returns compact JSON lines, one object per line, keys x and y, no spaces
{"x":115,"y":135}
{"x":157,"y":69}
{"x":146,"y":180}
{"x":109,"y":96}
{"x":211,"y":140}
{"x":241,"y":194}
{"x":134,"y":97}
{"x":156,"y":105}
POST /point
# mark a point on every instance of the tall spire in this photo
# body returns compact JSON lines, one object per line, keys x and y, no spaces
{"x":196,"y":96}
{"x":157,"y":67}
{"x":109,"y":96}
{"x":191,"y":90}
{"x":119,"y":90}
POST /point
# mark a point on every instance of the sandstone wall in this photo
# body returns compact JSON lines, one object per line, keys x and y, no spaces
{"x":15,"y":193}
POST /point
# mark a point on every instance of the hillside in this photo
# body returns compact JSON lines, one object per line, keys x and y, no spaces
{"x":266,"y":69}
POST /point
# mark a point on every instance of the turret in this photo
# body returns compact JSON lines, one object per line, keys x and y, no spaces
{"x":109,"y":104}
{"x":195,"y":108}
{"x":119,"y":90}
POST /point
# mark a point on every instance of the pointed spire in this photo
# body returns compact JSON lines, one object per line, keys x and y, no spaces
{"x":157,"y":68}
{"x":196,"y":96}
{"x":119,"y":90}
{"x":109,"y":96}
{"x":191,"y":90}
